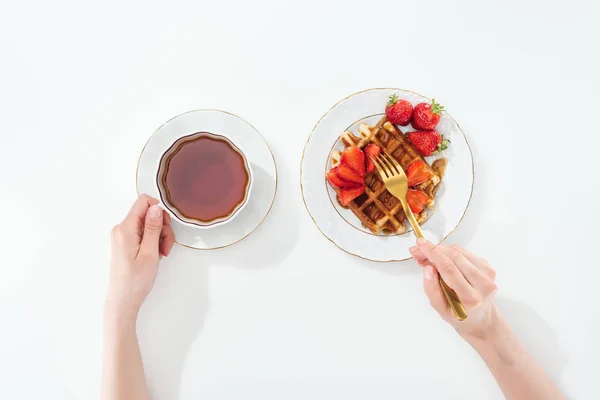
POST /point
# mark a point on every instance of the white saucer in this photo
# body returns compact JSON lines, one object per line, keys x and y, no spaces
{"x":340,"y":225}
{"x":248,"y":140}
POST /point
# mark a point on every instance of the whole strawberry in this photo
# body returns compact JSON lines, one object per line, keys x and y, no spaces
{"x":426,"y":116}
{"x":428,"y":142}
{"x":398,"y":112}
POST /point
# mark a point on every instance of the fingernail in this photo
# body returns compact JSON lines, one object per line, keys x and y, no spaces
{"x":155,"y":212}
{"x":428,"y":272}
{"x":421,"y":241}
{"x":413,"y":249}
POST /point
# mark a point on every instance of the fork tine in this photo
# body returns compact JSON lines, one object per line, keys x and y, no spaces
{"x":395,"y":163}
{"x":386,"y":162}
{"x":382,"y":171}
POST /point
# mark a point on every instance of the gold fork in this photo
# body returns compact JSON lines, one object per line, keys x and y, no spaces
{"x":396,"y":183}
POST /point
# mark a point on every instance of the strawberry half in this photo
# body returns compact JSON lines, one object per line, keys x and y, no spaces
{"x":416,"y":200}
{"x":354,"y":158}
{"x":347,"y":174}
{"x":371,"y":151}
{"x":335,"y":180}
{"x":348,"y":194}
{"x":417,"y":173}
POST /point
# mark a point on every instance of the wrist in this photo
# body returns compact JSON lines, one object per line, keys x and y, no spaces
{"x":498,"y":344}
{"x":118,"y":314}
{"x":493,"y":329}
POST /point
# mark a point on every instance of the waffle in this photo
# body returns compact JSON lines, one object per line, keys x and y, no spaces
{"x":377,"y":209}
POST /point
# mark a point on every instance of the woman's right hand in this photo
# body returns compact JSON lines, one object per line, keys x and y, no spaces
{"x":472,"y":279}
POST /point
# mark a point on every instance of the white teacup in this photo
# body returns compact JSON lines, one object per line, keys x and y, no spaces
{"x":163,"y":189}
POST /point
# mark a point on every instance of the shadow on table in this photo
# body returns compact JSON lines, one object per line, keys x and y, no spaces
{"x":171,"y":319}
{"x":536,"y":335}
{"x":399,"y":268}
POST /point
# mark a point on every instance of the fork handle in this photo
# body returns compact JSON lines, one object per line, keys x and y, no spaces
{"x":457,"y":308}
{"x":413,"y":221}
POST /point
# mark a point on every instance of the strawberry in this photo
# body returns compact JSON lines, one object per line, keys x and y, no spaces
{"x":371,"y":151}
{"x":348,"y":194}
{"x":347,"y":174}
{"x":426,"y":116}
{"x":428,"y":142}
{"x":354,"y":158}
{"x":417,"y":173}
{"x":416,"y":200}
{"x":398,"y":112}
{"x":335,"y":180}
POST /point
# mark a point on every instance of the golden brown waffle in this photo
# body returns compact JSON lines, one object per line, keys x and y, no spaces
{"x":377,"y":209}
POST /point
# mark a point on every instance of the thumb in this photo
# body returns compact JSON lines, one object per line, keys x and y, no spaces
{"x":152,"y":229}
{"x":433,"y":290}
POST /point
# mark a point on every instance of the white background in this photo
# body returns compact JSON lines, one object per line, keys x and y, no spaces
{"x":285,"y":314}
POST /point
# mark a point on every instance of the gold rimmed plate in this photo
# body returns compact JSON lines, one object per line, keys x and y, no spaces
{"x":340,"y":225}
{"x":260,"y":160}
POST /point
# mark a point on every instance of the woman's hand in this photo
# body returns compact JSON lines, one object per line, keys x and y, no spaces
{"x":472,"y":279}
{"x":138,"y":243}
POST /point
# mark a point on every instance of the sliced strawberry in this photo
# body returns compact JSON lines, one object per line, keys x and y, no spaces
{"x":347,"y":174}
{"x":371,"y":151}
{"x":354,"y":158}
{"x":335,"y":180}
{"x":348,"y":194}
{"x":416,"y":200}
{"x":417,"y":173}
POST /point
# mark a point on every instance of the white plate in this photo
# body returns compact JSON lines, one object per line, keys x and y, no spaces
{"x":249,"y":141}
{"x":340,"y":225}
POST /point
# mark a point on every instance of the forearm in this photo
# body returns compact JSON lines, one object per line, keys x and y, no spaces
{"x":123,"y":371}
{"x":519,"y":376}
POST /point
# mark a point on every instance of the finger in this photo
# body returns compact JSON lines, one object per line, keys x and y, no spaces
{"x":166,"y":219}
{"x":418,"y":256}
{"x":167,"y":241}
{"x":433,"y":290}
{"x":138,"y":210}
{"x":167,"y":237}
{"x":472,"y":274}
{"x":479,"y":262}
{"x":448,"y":270}
{"x":152,"y":231}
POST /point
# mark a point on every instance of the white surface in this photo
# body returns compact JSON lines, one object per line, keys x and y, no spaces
{"x":340,"y":225}
{"x":284,"y":313}
{"x":263,"y":175}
